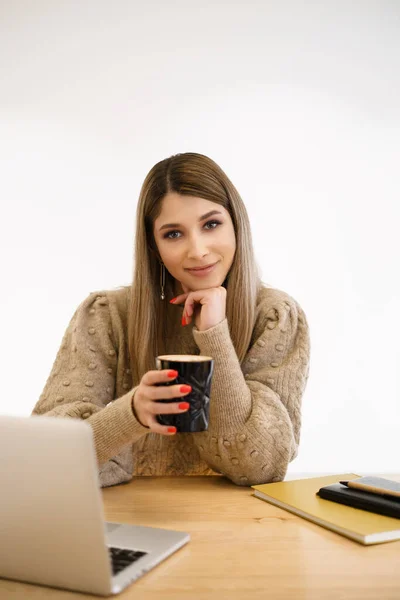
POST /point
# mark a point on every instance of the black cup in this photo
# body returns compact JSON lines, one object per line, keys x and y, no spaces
{"x":195,"y":371}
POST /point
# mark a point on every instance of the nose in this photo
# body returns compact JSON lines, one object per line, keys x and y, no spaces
{"x":196,"y":247}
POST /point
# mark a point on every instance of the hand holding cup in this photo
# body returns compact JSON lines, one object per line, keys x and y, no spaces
{"x":146,"y":403}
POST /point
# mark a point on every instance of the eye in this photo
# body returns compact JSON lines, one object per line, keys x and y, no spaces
{"x":168,"y":236}
{"x":213,"y":222}
{"x":171,"y":234}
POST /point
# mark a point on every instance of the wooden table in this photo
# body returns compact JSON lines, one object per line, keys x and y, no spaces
{"x":241,"y":548}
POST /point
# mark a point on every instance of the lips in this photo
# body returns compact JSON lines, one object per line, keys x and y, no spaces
{"x":202,"y":271}
{"x":201,"y":268}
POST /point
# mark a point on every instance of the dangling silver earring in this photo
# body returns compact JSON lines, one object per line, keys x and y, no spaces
{"x":162,"y":281}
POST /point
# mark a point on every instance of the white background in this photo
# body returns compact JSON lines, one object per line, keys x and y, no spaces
{"x":297,"y":101}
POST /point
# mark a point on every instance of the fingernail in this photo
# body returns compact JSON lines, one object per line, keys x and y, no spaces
{"x":184,"y":405}
{"x":172,"y":374}
{"x":185,"y":389}
{"x":173,"y":300}
{"x":183,"y":320}
{"x":171,"y":429}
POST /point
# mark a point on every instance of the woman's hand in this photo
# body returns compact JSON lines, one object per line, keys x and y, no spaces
{"x":144,"y":402}
{"x":206,"y":307}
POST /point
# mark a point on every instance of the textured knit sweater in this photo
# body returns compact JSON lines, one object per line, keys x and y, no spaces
{"x":255,"y":406}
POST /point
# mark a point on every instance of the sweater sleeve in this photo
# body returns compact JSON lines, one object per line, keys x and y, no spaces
{"x":254,"y":426}
{"x":82,"y":383}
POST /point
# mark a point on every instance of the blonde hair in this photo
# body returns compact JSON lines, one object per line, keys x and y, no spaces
{"x":195,"y":175}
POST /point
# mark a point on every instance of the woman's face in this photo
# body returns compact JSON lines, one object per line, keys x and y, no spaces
{"x":189,"y":236}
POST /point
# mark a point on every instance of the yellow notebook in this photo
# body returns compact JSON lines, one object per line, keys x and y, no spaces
{"x":299,"y":497}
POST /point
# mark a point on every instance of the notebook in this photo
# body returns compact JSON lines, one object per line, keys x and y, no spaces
{"x":51,"y":518}
{"x":300,"y":497}
{"x":376,"y":503}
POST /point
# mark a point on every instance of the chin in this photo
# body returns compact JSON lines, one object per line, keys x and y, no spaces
{"x":205,"y":284}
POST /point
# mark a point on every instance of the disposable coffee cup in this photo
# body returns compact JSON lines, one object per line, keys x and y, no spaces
{"x":197,"y":372}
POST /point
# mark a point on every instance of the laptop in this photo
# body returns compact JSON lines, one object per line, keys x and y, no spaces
{"x":52,"y":529}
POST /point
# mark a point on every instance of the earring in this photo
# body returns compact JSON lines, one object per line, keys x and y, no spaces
{"x":162,"y":281}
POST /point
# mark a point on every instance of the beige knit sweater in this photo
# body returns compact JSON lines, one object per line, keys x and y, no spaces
{"x":254,"y":407}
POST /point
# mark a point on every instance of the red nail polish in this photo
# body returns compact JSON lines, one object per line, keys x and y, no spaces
{"x":171,"y":429}
{"x":172,"y":374}
{"x":173,"y":300}
{"x":185,"y":389}
{"x":183,"y":320}
{"x":184,"y":405}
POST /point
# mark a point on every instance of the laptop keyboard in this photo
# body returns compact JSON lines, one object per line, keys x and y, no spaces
{"x":122,"y":558}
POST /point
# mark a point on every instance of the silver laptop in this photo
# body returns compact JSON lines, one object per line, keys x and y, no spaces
{"x":52,"y":530}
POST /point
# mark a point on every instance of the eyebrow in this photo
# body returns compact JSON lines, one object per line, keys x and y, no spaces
{"x":212,"y":212}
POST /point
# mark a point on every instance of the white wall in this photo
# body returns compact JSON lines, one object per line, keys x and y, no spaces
{"x":298,"y":102}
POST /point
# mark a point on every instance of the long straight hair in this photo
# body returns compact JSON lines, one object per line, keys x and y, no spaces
{"x":197,"y":175}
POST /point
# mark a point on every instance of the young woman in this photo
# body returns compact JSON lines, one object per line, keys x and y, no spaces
{"x":196,"y":290}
